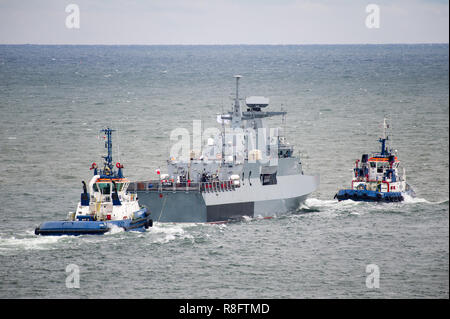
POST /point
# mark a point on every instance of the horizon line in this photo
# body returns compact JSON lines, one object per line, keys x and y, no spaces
{"x":225,"y":44}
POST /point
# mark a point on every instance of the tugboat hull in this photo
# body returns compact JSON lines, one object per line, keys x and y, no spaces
{"x":140,"y":221}
{"x":369,"y":196}
{"x":59,"y":228}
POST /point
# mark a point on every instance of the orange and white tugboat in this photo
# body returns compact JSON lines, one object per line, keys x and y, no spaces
{"x":377,"y":178}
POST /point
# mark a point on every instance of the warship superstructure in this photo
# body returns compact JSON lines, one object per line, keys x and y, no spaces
{"x":246,"y":169}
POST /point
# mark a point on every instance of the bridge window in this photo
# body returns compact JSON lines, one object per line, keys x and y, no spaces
{"x":284,"y":153}
{"x":269,"y":179}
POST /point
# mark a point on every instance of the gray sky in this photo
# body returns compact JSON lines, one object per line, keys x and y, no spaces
{"x":223,"y":22}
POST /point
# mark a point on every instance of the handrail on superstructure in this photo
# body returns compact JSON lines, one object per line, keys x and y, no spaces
{"x":201,"y":187}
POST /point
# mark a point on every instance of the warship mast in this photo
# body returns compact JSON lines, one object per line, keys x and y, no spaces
{"x":236,"y":119}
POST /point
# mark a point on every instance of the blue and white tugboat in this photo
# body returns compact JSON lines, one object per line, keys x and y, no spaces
{"x":377,"y":178}
{"x":105,"y":203}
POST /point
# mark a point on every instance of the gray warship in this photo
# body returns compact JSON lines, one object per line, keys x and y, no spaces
{"x":245,"y":169}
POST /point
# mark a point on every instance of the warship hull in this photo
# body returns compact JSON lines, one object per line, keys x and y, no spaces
{"x":251,"y":199}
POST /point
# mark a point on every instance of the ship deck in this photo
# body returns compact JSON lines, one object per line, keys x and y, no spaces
{"x":202,"y":187}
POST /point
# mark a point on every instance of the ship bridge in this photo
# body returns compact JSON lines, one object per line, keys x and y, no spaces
{"x":245,"y":145}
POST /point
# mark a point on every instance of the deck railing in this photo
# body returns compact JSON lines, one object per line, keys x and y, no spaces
{"x":159,"y":186}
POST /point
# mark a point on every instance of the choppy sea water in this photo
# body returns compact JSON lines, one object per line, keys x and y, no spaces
{"x":55,"y":99}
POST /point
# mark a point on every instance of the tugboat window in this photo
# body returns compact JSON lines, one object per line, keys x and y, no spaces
{"x":104,"y":188}
{"x":381,"y":166}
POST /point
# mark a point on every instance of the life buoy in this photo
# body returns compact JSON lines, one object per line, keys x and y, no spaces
{"x":118,"y":165}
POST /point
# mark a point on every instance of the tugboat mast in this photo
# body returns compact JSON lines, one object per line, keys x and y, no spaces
{"x":384,"y":138}
{"x":108,"y":145}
